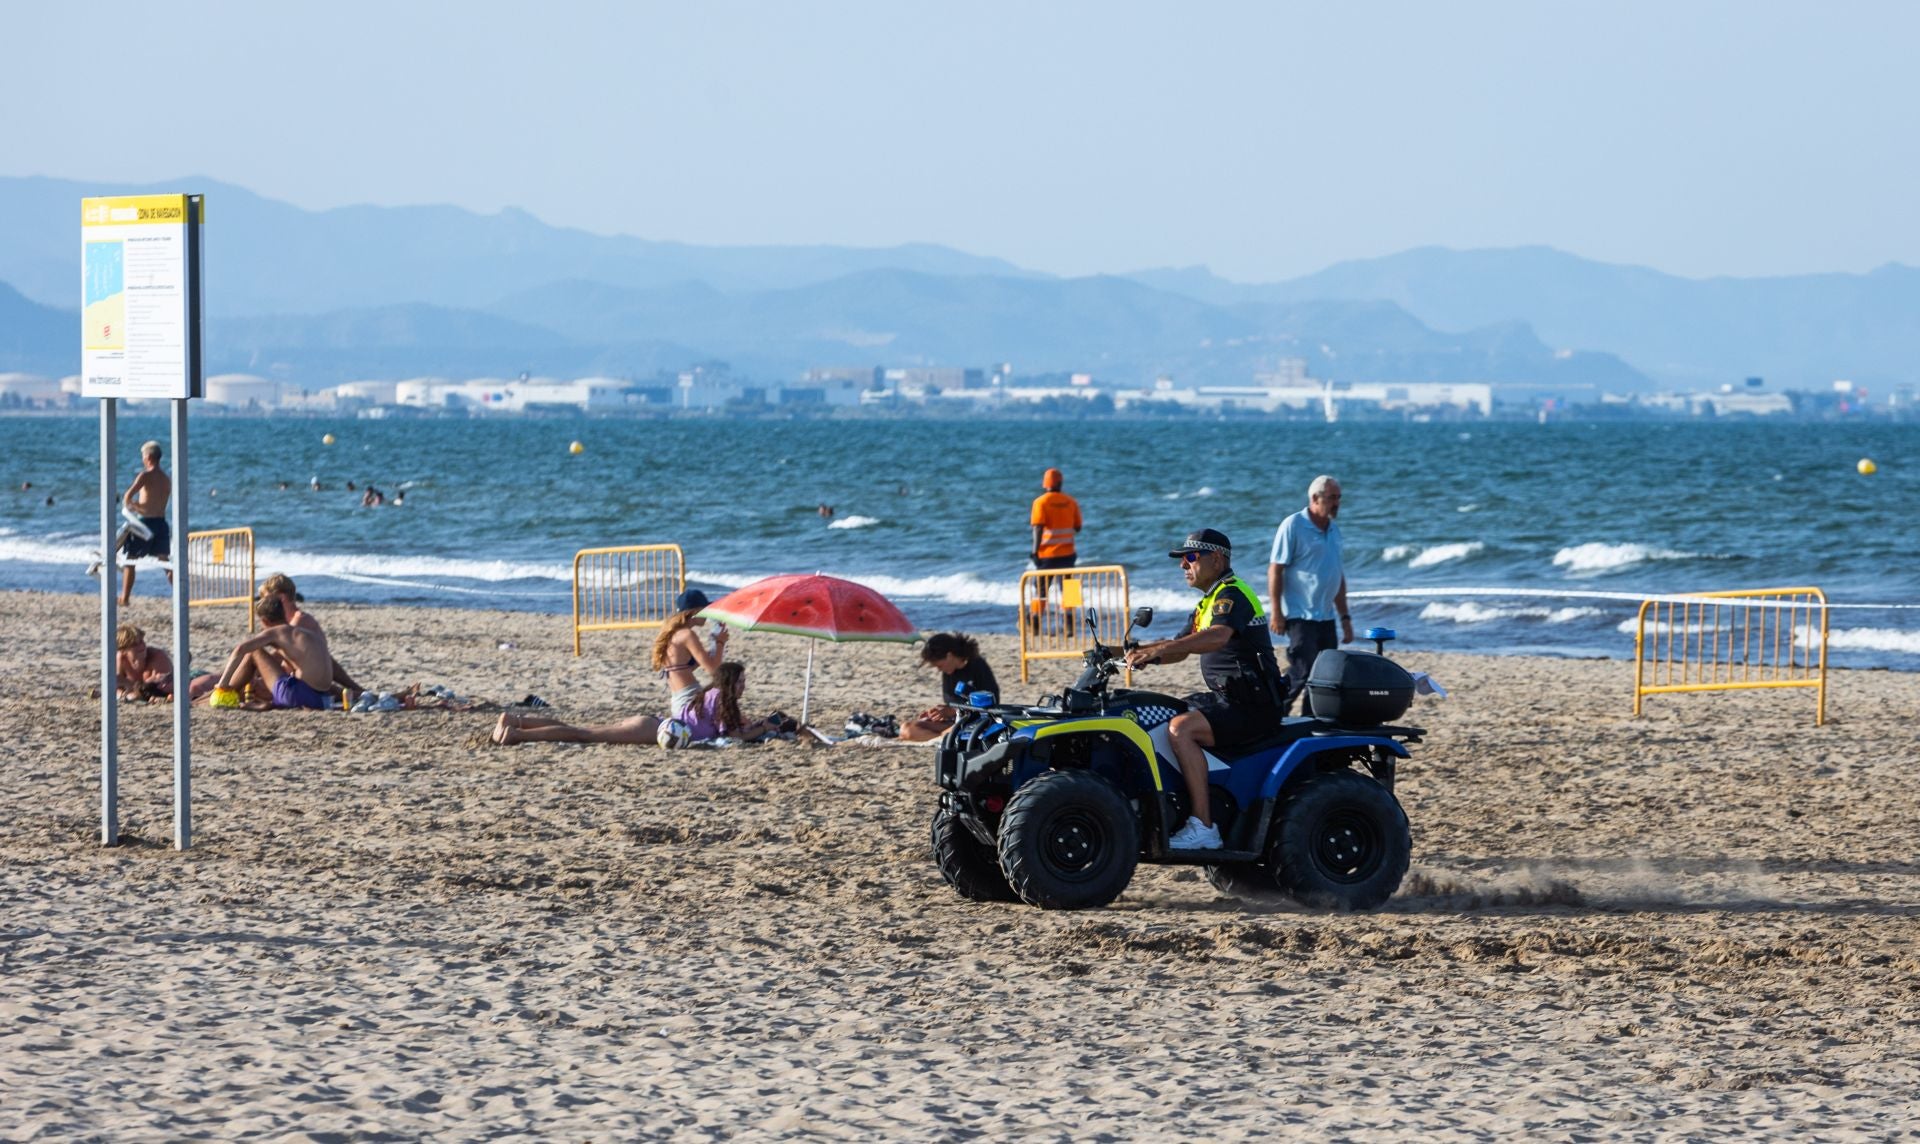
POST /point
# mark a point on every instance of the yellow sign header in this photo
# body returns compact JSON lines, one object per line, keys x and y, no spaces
{"x":134,"y":210}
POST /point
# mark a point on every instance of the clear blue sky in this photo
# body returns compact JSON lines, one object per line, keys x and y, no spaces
{"x":1263,"y":139}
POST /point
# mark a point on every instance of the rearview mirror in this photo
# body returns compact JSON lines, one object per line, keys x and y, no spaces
{"x":1143,"y":617}
{"x":1093,"y":620}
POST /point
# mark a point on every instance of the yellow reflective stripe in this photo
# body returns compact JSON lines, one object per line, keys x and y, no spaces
{"x":1126,"y":727}
{"x":1203,"y":615}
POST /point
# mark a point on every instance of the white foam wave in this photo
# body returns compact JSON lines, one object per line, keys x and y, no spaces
{"x":1472,"y":613}
{"x":347,"y":566}
{"x":1875,"y":639}
{"x":1466,"y":508}
{"x":1203,"y":491}
{"x":49,"y":550}
{"x":959,"y":588}
{"x":1432,"y":554}
{"x":855,"y":522}
{"x":1598,"y":557}
{"x":1442,"y":553}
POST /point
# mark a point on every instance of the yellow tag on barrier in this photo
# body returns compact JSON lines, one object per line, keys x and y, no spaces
{"x":1070,"y":594}
{"x":219,"y":550}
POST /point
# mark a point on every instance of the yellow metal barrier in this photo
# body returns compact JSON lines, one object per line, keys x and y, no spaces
{"x":623,"y":589}
{"x":1733,"y":641}
{"x":1052,"y":608}
{"x":220,"y":569}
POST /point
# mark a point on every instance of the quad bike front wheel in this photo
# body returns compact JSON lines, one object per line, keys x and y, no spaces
{"x":969,"y":866}
{"x":1341,"y":843}
{"x":1068,"y":841}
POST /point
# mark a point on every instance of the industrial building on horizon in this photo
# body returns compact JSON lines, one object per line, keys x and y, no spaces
{"x":1284,"y":390}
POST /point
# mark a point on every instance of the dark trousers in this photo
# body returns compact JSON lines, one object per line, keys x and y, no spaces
{"x":1306,"y":639}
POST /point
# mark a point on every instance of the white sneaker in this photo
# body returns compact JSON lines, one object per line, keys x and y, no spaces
{"x":1194,"y":836}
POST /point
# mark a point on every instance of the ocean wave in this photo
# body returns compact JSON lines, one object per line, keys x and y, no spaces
{"x":855,"y":522}
{"x":348,"y":566}
{"x":959,"y":588}
{"x":15,"y":548}
{"x":1471,"y":613}
{"x":1875,"y":639}
{"x":1599,"y":557}
{"x":1442,"y":553}
{"x":1432,"y":554}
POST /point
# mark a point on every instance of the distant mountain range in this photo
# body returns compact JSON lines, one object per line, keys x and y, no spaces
{"x":373,"y":291}
{"x":1801,"y":330}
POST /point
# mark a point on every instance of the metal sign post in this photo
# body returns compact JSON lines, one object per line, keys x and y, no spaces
{"x":141,"y":318}
{"x":182,"y":749}
{"x":109,"y":620}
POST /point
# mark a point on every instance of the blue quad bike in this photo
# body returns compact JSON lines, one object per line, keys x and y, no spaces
{"x":1055,"y":804}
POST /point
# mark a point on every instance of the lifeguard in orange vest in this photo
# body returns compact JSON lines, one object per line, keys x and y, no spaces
{"x":1056,"y":521}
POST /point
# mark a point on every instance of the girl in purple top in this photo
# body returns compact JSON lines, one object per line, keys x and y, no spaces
{"x":715,"y":712}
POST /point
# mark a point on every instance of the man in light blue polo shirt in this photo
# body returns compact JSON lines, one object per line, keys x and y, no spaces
{"x":1308,"y":585}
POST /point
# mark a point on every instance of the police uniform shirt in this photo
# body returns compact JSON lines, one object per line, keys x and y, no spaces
{"x":1244,"y":670}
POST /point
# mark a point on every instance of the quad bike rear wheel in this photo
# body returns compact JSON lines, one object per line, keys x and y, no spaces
{"x":1068,"y":841}
{"x":1341,"y":842}
{"x":969,"y":866}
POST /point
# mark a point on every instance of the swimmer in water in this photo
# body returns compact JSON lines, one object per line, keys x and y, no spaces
{"x":373,"y":497}
{"x":825,"y":511}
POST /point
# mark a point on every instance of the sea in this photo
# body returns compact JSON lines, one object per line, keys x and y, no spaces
{"x":1492,"y":538}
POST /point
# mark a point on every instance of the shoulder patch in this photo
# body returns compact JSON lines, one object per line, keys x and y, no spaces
{"x":1222,"y":607}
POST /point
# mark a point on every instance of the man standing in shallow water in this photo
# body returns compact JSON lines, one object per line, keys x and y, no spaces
{"x":1307,"y":585}
{"x":147,"y":497}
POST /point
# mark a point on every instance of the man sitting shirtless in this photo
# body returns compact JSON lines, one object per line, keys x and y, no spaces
{"x":294,"y":663}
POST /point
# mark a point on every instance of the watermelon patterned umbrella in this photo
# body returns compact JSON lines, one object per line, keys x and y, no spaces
{"x":817,"y":607}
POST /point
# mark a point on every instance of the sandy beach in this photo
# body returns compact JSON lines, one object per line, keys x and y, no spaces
{"x":1698,"y":923}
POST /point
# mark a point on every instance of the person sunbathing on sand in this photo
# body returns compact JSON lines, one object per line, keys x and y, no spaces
{"x":715,"y":712}
{"x":140,"y":672}
{"x":293,"y":663}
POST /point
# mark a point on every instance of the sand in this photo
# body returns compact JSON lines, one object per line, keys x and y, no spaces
{"x":1697,"y":923}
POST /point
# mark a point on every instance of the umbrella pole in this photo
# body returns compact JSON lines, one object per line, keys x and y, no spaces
{"x":806,"y":694}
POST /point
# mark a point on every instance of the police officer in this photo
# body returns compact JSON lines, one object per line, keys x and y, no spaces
{"x":1243,"y":702}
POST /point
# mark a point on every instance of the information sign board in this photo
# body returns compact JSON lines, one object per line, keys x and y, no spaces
{"x":140,"y":296}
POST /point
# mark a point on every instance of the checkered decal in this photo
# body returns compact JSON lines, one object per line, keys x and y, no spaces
{"x":1152,"y":716}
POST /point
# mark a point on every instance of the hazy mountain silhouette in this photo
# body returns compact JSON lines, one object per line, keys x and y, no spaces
{"x":35,"y":338}
{"x":1799,"y":330}
{"x":270,"y":257}
{"x":392,"y":289}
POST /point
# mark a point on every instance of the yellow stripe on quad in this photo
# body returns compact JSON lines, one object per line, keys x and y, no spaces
{"x":1125,"y":727}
